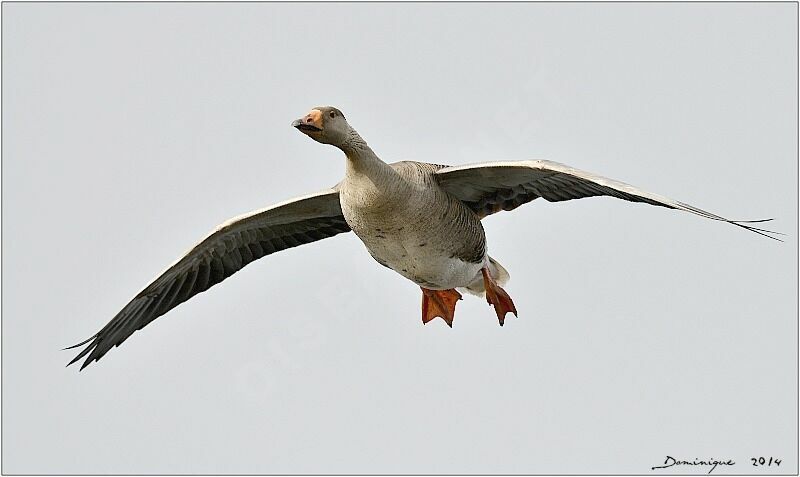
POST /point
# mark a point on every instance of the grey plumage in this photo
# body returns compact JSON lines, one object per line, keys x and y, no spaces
{"x":224,"y":252}
{"x":490,"y":187}
{"x":421,"y":220}
{"x":442,"y":215}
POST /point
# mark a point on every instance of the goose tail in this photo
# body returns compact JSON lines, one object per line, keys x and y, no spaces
{"x":499,"y":273}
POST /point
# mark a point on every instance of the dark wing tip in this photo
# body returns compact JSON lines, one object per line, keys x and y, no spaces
{"x":86,"y":363}
{"x":84,"y":352}
{"x":752,"y":221}
{"x":80,"y":344}
{"x":738,"y":223}
{"x":759,"y":231}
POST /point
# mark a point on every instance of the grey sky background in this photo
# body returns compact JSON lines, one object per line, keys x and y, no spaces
{"x":131,"y":130}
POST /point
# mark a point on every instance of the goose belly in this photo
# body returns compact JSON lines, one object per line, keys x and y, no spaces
{"x":416,"y":229}
{"x":417,"y":259}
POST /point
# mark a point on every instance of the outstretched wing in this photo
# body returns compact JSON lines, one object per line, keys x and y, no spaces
{"x":224,"y":252}
{"x":490,"y":187}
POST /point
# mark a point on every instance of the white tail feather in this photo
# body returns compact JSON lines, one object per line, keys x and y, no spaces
{"x":499,"y":273}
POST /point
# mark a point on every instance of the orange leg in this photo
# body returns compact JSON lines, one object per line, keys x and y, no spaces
{"x":441,"y":303}
{"x":497,"y":297}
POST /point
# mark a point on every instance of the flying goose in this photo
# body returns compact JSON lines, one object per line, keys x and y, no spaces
{"x":421,"y":220}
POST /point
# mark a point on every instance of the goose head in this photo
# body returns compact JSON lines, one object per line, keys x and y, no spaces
{"x":324,"y":124}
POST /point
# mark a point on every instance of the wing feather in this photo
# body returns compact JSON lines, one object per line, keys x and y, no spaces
{"x":231,"y":247}
{"x":490,"y":187}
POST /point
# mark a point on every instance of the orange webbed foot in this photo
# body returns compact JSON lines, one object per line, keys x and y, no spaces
{"x":441,"y":303}
{"x":497,"y":297}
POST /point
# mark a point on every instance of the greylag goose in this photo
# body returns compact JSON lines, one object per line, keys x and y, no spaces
{"x":421,"y":220}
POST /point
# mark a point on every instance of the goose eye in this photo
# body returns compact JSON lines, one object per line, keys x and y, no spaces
{"x":332,"y":114}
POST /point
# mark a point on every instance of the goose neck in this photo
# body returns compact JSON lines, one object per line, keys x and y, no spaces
{"x":362,"y":162}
